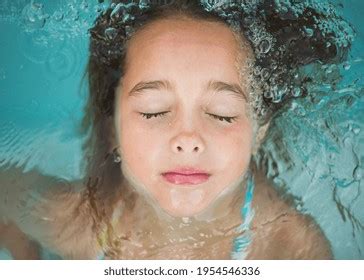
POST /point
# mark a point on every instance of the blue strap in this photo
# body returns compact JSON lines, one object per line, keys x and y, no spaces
{"x":242,"y":242}
{"x":101,"y":256}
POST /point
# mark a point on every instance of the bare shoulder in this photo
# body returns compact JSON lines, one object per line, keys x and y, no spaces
{"x":50,"y":210}
{"x":280,"y":231}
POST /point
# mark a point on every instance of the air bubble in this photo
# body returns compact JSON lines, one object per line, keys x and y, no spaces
{"x":264,"y":46}
{"x":355,"y":129}
{"x":262,"y":111}
{"x":282,"y":90}
{"x":358,"y":173}
{"x":98,"y":8}
{"x":143,"y":4}
{"x":346,"y":66}
{"x":264,"y":74}
{"x":115,"y":11}
{"x":248,"y":21}
{"x":296,"y":92}
{"x":57,"y":16}
{"x":257,"y":70}
{"x":308,"y":32}
{"x":276,"y":94}
{"x":347,"y":142}
{"x":33,"y":15}
{"x":329,"y":69}
{"x":84,"y":5}
{"x":267,"y":94}
{"x":110,"y":33}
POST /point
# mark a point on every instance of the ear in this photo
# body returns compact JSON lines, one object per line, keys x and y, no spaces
{"x":259,"y":137}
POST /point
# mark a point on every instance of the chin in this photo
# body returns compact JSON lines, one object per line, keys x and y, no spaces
{"x":182,"y":212}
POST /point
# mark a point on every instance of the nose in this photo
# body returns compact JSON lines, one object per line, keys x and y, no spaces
{"x":188,"y":142}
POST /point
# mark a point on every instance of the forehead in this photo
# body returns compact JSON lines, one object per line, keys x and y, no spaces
{"x":185,"y":39}
{"x":179,"y":30}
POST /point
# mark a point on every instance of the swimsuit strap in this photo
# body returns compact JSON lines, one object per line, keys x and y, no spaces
{"x":242,"y":242}
{"x":103,"y":236}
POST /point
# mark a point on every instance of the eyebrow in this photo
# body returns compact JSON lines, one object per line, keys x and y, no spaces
{"x":214,"y":85}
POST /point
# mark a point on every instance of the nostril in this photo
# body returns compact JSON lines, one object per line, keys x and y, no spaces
{"x":196,"y":149}
{"x":179,"y":148}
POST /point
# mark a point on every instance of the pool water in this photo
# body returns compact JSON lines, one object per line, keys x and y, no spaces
{"x":43,"y":54}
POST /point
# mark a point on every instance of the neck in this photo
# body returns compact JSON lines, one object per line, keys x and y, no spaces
{"x":223,"y":215}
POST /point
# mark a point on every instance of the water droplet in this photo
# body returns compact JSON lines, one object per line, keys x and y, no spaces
{"x":264,"y":46}
{"x":328,"y":44}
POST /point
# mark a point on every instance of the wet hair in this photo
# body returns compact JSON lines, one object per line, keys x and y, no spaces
{"x":284,"y":36}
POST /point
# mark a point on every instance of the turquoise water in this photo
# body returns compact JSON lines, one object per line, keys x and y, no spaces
{"x":43,"y":52}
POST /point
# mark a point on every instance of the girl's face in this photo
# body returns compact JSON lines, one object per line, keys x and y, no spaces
{"x":180,"y":107}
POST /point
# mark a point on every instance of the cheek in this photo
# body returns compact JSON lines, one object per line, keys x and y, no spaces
{"x":235,"y":146}
{"x":140,"y":147}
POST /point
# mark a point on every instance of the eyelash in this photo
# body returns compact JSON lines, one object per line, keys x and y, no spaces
{"x":161,"y":114}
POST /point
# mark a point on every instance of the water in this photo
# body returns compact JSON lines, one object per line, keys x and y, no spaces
{"x":43,"y":53}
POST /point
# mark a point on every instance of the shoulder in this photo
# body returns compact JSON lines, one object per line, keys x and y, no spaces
{"x":280,"y":231}
{"x":71,"y":222}
{"x":54,"y":211}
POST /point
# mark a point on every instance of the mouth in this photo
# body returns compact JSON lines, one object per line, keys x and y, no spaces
{"x":186,"y":176}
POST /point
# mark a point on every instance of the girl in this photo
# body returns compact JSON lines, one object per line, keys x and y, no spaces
{"x":181,"y":96}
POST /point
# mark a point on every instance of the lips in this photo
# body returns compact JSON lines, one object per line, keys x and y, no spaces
{"x":186,"y":175}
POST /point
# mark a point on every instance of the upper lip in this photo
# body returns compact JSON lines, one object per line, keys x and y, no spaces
{"x":187,"y":171}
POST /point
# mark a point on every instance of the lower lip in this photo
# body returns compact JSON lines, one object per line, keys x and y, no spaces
{"x":181,"y":179}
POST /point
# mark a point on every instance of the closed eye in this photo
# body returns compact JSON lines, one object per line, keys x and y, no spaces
{"x":153,"y":115}
{"x":222,"y":118}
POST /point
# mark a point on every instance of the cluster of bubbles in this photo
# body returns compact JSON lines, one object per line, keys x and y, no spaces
{"x":276,"y":72}
{"x":69,"y":20}
{"x":284,"y":35}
